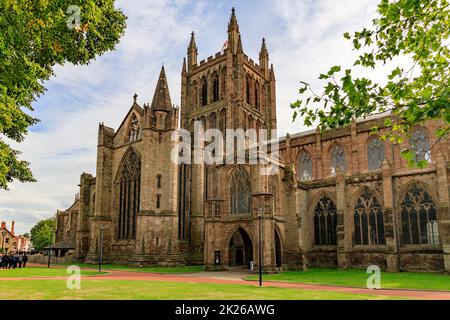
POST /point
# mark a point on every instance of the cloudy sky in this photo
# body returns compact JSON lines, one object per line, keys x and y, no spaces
{"x":304,"y":38}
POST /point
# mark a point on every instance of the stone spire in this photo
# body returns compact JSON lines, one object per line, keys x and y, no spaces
{"x":239,"y":46}
{"x":183,"y":71}
{"x":161,"y":99}
{"x":264,"y":58}
{"x":192,"y":53}
{"x":233,"y":25}
{"x":233,"y":33}
{"x":263,"y":52}
{"x":192,"y":44}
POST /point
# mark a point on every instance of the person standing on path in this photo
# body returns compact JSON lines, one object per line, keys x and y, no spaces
{"x":25,"y":260}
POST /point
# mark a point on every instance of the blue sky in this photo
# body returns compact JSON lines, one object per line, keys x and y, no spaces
{"x":304,"y":38}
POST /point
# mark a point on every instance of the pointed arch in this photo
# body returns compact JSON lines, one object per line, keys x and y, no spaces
{"x":418,"y":215}
{"x":305,"y":165}
{"x":240,"y":192}
{"x":128,"y":185}
{"x":257,"y":94}
{"x":325,"y":221}
{"x":223,"y":82}
{"x":204,"y":91}
{"x":247,"y":89}
{"x":337,"y":159}
{"x":215,"y":87}
{"x":368,"y":218}
{"x":240,"y":247}
{"x":419,"y":143}
{"x":375,"y":153}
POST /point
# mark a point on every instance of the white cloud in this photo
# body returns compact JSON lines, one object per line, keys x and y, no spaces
{"x":304,"y":39}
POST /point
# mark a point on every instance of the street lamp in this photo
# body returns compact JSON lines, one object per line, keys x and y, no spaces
{"x":260,"y":217}
{"x":100,"y":257}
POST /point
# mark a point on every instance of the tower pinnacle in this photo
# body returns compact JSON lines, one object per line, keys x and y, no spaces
{"x":233,"y":25}
{"x":161,"y":98}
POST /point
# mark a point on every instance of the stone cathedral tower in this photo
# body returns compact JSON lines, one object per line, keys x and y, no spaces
{"x":226,"y":91}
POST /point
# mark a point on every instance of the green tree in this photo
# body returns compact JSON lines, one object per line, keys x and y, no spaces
{"x":418,"y":29}
{"x":34,"y":37}
{"x":42,"y":234}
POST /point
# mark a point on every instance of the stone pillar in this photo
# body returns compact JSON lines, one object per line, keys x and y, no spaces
{"x":318,"y":156}
{"x":354,"y":149}
{"x":444,"y":214}
{"x":390,"y":221}
{"x":83,"y":235}
{"x":342,"y":242}
{"x":294,"y":202}
{"x":264,"y":229}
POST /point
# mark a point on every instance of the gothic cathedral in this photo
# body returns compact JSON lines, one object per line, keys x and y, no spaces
{"x":342,"y":198}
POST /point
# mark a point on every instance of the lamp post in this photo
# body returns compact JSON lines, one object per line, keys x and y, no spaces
{"x":100,"y":257}
{"x":260,"y":217}
{"x":49,"y":255}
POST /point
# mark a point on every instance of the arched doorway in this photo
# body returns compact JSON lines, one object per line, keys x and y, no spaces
{"x":277,"y":250}
{"x":240,"y":249}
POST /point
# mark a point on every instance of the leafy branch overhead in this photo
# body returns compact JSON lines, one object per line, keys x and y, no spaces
{"x":418,"y":29}
{"x":34,"y":37}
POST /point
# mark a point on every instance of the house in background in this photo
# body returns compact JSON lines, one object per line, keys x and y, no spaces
{"x":10,"y":242}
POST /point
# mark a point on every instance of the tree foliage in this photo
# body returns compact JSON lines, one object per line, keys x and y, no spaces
{"x":34,"y":37}
{"x":42,"y":234}
{"x":419,"y":29}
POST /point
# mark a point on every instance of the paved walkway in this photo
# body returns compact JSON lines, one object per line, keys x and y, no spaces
{"x":236,"y":277}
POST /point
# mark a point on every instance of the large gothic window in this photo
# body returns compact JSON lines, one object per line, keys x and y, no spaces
{"x":248,"y":90}
{"x":325,"y":221}
{"x":129,"y":186}
{"x":216,"y":88}
{"x":420,"y":144}
{"x":134,"y":132}
{"x":257,"y":95}
{"x":305,"y":166}
{"x":337,"y":159}
{"x":205,"y":92}
{"x":368,"y":218}
{"x":240,"y":192}
{"x":419,"y":218}
{"x":375,"y":154}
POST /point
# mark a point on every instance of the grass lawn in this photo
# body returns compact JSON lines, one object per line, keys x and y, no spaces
{"x":41,"y":272}
{"x":358,"y":278}
{"x":144,"y":290}
{"x":180,"y":269}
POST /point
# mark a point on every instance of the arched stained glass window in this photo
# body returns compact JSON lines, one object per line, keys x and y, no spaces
{"x":368,"y":218}
{"x":129,"y":186}
{"x":375,"y":154}
{"x":240,"y":192}
{"x":305,"y":166}
{"x":420,"y":144}
{"x":337,"y":159}
{"x":325,"y":221}
{"x":419,"y":218}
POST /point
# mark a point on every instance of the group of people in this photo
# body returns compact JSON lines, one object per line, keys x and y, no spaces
{"x":13,"y":260}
